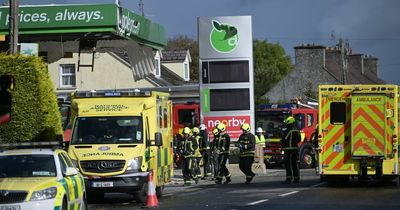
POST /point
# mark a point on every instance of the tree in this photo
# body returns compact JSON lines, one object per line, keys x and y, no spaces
{"x":185,"y":42}
{"x":271,"y":64}
{"x":309,"y":91}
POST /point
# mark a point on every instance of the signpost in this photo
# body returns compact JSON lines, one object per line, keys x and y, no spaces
{"x":226,"y":72}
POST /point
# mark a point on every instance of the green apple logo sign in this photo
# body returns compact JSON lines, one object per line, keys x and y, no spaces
{"x":223,"y":37}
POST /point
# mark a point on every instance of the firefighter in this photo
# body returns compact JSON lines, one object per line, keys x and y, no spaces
{"x":246,"y":144}
{"x":189,"y":146}
{"x":204,"y":146}
{"x":260,"y":144}
{"x":290,"y":138}
{"x":197,"y":154}
{"x":214,"y":154}
{"x":222,"y":143}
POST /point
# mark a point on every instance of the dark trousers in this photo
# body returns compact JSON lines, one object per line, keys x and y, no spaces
{"x":206,"y":162}
{"x":197,"y":169}
{"x":245,"y":163}
{"x":291,"y":158}
{"x":189,"y":168}
{"x":223,"y":170}
{"x":214,"y":162}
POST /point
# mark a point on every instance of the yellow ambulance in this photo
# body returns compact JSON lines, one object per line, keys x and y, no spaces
{"x":119,"y":137}
{"x":358,"y":132}
{"x":39,"y":176}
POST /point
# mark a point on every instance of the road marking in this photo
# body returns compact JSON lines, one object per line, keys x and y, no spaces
{"x":257,"y":202}
{"x":317,"y":185}
{"x":289,"y":193}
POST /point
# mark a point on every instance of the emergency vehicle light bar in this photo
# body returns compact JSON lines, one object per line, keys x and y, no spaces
{"x":277,"y":106}
{"x":101,"y":94}
{"x":358,"y":88}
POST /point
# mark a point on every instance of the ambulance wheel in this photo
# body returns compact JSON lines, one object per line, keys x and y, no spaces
{"x":337,"y":180}
{"x":64,"y":204}
{"x":141,"y":195}
{"x":159,"y":191}
{"x":84,"y":203}
{"x":92,"y":197}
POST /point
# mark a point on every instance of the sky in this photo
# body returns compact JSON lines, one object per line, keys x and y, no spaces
{"x":372,"y":27}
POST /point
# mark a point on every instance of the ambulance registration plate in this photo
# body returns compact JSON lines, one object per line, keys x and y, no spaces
{"x":9,"y":207}
{"x":102,"y":184}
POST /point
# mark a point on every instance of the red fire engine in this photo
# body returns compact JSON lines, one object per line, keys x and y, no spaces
{"x":270,"y":118}
{"x":185,"y":114}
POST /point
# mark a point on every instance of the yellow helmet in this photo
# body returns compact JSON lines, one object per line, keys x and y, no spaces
{"x":245,"y":127}
{"x":186,"y":130}
{"x":221,"y":127}
{"x":289,"y":120}
{"x":196,"y":130}
{"x":215,"y":131}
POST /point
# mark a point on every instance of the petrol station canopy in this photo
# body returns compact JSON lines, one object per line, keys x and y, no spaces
{"x":91,"y":27}
{"x":89,"y":21}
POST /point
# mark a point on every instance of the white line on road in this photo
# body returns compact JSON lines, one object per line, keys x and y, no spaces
{"x":289,"y":193}
{"x":317,"y":185}
{"x":257,"y":202}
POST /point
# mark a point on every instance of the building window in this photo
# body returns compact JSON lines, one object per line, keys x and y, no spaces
{"x":67,"y":75}
{"x":157,"y":67}
{"x":186,"y":71}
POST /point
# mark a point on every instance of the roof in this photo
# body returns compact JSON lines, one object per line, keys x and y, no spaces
{"x":175,"y":55}
{"x":354,"y":74}
{"x":168,"y":78}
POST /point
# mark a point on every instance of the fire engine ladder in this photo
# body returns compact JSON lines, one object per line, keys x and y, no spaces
{"x":312,"y":104}
{"x":86,"y":45}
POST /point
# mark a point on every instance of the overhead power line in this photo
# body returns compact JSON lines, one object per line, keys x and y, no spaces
{"x":328,"y":39}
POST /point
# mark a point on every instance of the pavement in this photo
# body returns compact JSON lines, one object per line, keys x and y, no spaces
{"x":233,"y":169}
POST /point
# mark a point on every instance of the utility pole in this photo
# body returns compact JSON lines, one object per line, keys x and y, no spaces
{"x":141,"y":7}
{"x":13,"y":26}
{"x":343,"y":57}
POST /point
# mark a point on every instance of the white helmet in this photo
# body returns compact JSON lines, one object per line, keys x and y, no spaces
{"x":259,"y":130}
{"x":202,"y":127}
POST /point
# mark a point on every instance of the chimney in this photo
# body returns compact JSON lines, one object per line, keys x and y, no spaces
{"x":371,"y":65}
{"x":355,"y":64}
{"x":309,"y":56}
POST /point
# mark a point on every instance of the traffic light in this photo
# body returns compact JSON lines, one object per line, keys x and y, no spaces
{"x":6,"y":85}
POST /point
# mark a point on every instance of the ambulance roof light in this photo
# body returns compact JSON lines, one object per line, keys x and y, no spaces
{"x":101,"y":94}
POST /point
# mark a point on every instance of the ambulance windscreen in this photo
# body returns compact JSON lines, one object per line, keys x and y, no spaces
{"x":12,"y":166}
{"x":108,"y":130}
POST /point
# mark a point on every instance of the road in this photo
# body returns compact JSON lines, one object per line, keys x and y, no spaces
{"x":267,"y":192}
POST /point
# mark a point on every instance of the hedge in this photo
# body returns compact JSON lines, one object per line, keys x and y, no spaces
{"x":34,"y":114}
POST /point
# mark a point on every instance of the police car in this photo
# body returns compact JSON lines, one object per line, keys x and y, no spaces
{"x":39,"y":178}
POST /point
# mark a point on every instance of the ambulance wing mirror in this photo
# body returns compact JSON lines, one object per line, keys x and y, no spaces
{"x":70,"y":171}
{"x":158,"y":139}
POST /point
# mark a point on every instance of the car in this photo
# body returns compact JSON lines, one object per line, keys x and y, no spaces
{"x":39,"y":178}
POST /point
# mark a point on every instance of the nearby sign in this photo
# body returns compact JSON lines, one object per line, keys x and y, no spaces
{"x":232,"y":123}
{"x":226,"y":72}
